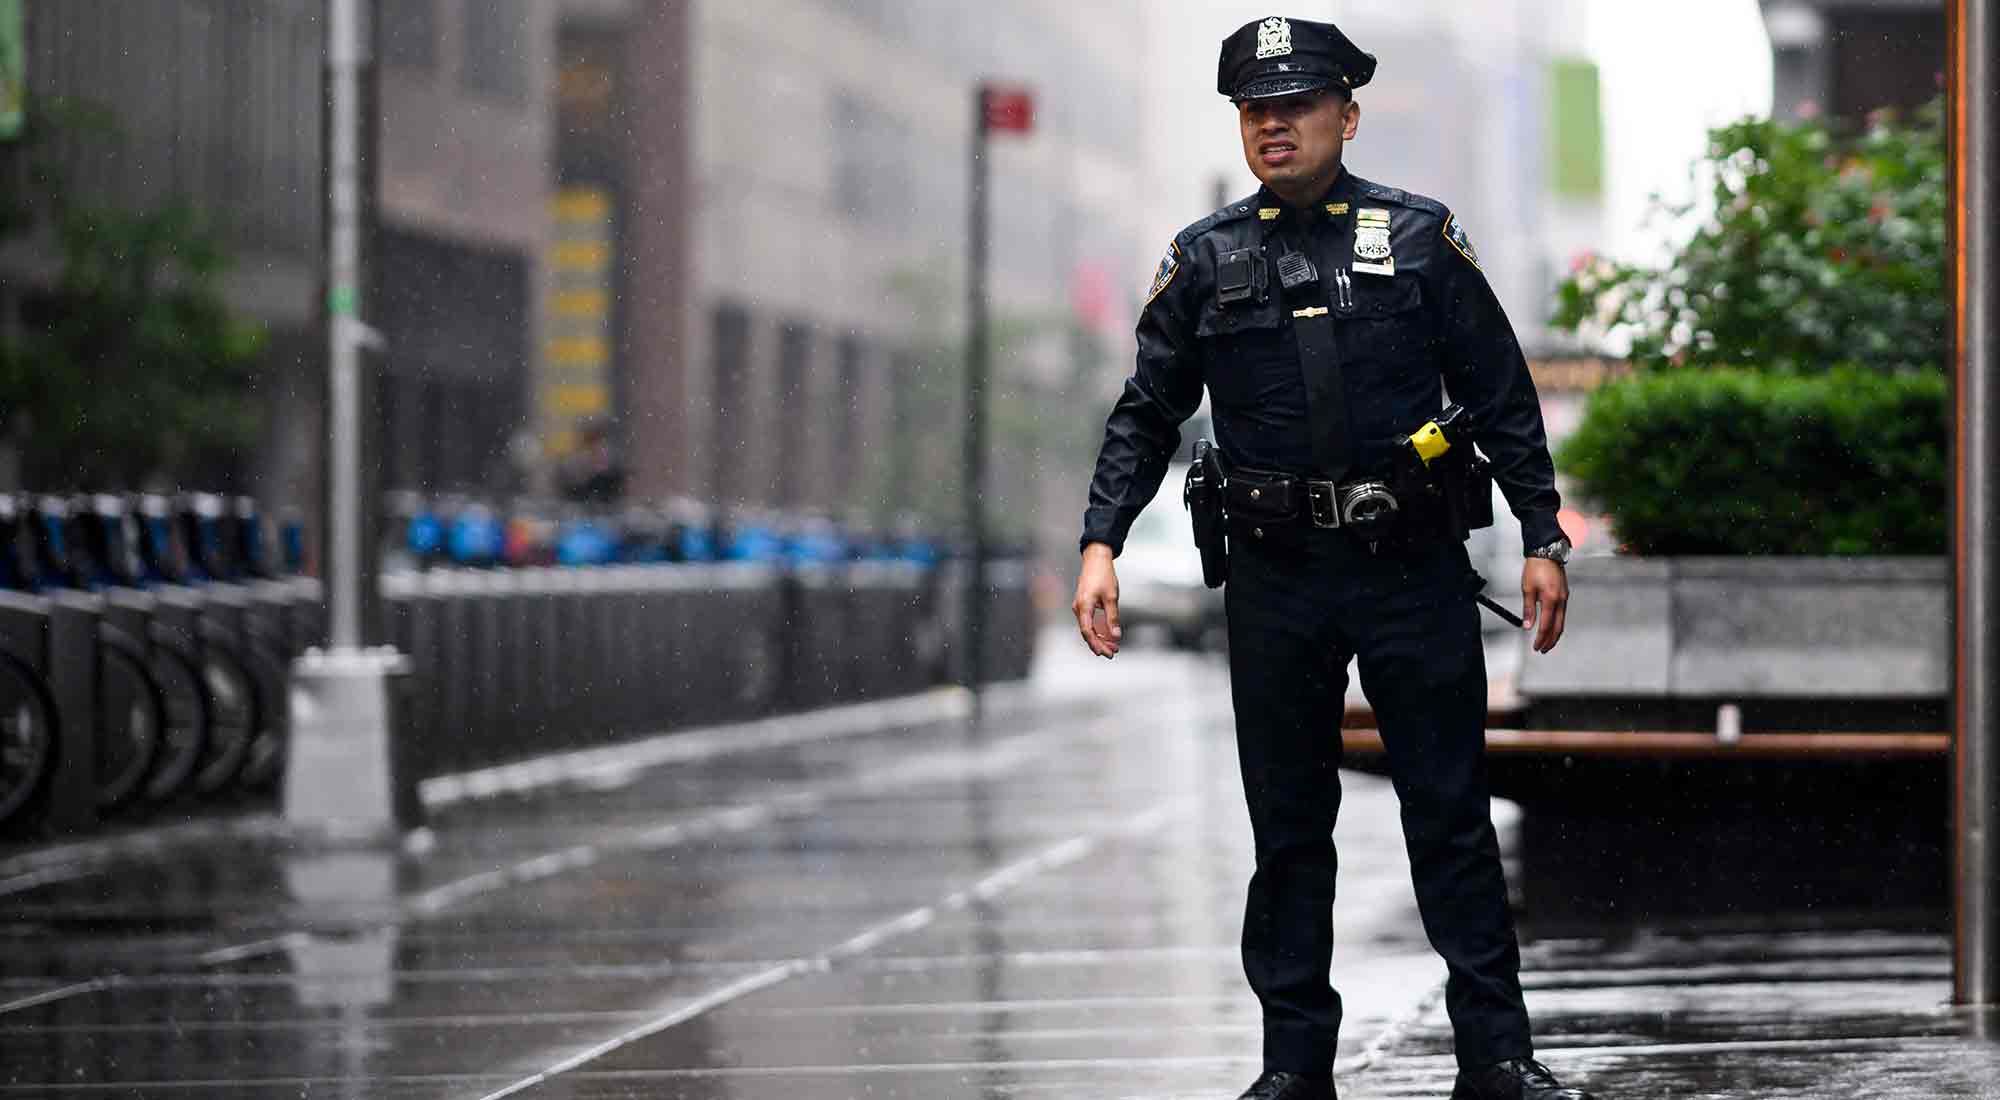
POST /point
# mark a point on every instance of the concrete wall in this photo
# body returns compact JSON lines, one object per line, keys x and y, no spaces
{"x":1751,"y":628}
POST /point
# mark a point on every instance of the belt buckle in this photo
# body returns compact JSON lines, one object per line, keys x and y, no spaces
{"x":1320,"y":498}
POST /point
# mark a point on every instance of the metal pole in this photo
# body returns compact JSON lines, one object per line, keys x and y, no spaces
{"x":347,"y":61}
{"x":342,"y":769}
{"x":973,"y":649}
{"x":1974,"y":136}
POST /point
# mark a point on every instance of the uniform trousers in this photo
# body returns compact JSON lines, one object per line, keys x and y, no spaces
{"x":1300,"y":605}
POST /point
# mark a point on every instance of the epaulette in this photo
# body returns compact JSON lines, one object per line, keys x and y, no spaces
{"x":1378,"y":193}
{"x":1235,"y":211}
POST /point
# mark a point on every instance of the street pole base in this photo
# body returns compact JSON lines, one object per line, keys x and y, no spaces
{"x":342,"y":778}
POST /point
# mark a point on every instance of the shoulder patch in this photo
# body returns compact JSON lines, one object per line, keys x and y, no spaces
{"x":1455,"y":233}
{"x":1170,"y":266}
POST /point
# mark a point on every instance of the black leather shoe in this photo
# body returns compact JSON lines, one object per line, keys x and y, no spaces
{"x":1513,"y":1079}
{"x":1275,"y":1085}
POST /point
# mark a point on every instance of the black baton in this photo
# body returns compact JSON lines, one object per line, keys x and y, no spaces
{"x":1504,"y":614}
{"x":1479,"y":593}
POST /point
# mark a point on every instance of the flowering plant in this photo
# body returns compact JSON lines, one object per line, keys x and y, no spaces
{"x":1821,"y":247}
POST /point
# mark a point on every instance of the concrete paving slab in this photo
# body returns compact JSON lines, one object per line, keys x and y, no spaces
{"x":1045,"y":908}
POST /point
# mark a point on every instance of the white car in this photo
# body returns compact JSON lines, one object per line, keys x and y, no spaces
{"x":1159,"y":574}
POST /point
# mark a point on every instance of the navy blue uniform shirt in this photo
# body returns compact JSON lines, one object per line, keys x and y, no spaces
{"x":1408,"y":330}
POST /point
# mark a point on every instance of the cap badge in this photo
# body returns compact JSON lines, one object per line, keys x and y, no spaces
{"x":1274,"y":38}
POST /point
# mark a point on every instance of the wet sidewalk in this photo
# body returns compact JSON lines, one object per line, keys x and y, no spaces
{"x":879,"y":902}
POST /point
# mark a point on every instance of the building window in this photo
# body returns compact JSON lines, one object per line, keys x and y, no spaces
{"x":732,"y":366}
{"x":905,"y":370}
{"x":409,"y":33}
{"x":795,"y":425}
{"x":871,"y":167}
{"x":848,"y":448}
{"x":495,"y":63}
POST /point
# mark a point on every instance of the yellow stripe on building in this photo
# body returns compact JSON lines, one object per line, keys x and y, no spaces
{"x":580,"y":205}
{"x":580,"y":303}
{"x":586,"y":399}
{"x":582,"y":351}
{"x":580,"y":256}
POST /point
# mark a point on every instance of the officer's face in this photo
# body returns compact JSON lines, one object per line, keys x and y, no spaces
{"x":1293,"y":142}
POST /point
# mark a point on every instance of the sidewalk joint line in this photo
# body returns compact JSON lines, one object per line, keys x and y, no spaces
{"x":988,"y":887}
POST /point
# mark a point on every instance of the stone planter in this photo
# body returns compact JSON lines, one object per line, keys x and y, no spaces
{"x":1858,"y":642}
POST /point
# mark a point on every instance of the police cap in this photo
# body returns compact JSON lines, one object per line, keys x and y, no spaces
{"x":1277,"y":56}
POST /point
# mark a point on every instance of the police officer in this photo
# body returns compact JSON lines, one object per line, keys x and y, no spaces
{"x":1328,"y":318}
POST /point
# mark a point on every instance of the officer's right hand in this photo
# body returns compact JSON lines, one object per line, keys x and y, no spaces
{"x":1097,"y":590}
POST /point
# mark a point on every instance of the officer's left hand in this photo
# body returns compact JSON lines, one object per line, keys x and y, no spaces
{"x":1544,"y":601}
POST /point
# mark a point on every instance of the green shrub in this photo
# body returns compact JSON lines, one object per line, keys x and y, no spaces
{"x":1732,"y":461}
{"x":1820,"y":245}
{"x":133,"y":366}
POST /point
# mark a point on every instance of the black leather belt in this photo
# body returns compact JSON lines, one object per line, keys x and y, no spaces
{"x":1258,"y":496}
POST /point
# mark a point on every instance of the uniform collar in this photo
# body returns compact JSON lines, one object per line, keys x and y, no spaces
{"x":1337,"y":202}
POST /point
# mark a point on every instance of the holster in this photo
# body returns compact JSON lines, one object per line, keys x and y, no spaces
{"x":1202,"y":496}
{"x":1452,"y":495}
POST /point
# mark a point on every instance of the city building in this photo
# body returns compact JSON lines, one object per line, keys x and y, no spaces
{"x":787,"y":186}
{"x":218,"y":104}
{"x":195,"y":102}
{"x":467,"y":140}
{"x":1845,"y":58}
{"x":591,"y":213}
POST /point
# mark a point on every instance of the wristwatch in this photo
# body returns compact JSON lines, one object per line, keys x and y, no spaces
{"x":1557,"y":551}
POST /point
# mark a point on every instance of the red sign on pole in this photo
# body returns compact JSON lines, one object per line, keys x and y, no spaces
{"x":1008,"y":110}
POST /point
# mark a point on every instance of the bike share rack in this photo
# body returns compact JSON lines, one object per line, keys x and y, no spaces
{"x":146,"y":645}
{"x":145,"y":653}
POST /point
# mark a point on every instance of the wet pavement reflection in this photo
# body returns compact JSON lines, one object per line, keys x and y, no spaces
{"x":1046,"y":905}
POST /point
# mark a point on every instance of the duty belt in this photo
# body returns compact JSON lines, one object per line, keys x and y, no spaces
{"x":1328,"y":505}
{"x":1354,"y":504}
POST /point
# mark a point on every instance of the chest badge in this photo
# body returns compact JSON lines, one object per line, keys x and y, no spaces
{"x":1372,"y":252}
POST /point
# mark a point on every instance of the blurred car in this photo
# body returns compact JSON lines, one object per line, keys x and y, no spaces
{"x":1159,"y":575}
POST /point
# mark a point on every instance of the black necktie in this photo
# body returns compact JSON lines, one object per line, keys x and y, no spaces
{"x":1329,"y":243}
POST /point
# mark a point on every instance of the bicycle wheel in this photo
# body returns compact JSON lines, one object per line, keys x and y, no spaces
{"x":184,"y":740}
{"x":27,"y":736}
{"x":130,"y":715}
{"x":265,"y":765}
{"x":232,"y":709}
